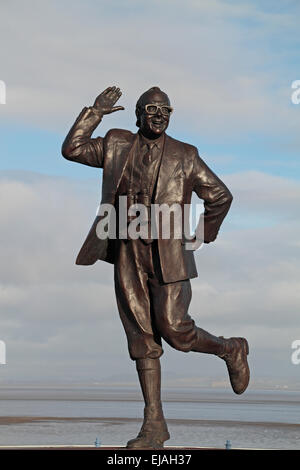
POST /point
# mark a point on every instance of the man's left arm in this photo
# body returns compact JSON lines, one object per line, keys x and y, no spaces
{"x":217,"y":199}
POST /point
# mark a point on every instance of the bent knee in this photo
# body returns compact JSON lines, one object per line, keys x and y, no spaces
{"x":181,"y":341}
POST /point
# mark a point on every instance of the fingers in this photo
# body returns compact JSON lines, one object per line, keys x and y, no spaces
{"x":114,"y":93}
{"x":104,"y":92}
{"x":114,"y":96}
{"x":108,"y":98}
{"x":109,"y":90}
{"x":117,"y":108}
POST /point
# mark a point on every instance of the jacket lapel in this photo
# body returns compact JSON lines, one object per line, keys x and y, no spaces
{"x":116,"y":159}
{"x":122,"y":154}
{"x":168,"y":167}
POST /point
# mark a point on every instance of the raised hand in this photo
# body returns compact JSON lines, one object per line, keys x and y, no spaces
{"x":104,"y":103}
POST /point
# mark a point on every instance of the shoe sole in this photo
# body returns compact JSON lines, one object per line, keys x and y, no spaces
{"x":146,"y":447}
{"x":150,"y":444}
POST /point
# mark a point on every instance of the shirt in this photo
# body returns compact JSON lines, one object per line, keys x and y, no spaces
{"x":140,"y":173}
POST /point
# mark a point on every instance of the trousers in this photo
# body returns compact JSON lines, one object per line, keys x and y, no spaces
{"x":149,"y":308}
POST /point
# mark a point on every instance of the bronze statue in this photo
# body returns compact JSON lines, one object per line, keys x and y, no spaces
{"x":152,"y":274}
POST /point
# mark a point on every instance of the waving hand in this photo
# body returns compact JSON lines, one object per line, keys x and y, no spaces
{"x":105,"y":102}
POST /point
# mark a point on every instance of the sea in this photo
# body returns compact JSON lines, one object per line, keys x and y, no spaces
{"x":78,"y":415}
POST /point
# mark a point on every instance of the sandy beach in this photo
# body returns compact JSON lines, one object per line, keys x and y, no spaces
{"x":5,"y":420}
{"x":59,"y":430}
{"x":59,"y":415}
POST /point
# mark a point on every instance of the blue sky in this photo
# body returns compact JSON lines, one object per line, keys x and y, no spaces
{"x":227,"y":67}
{"x":244,"y":55}
{"x":34,"y":149}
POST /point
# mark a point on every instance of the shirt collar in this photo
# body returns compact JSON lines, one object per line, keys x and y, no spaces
{"x":157,"y":142}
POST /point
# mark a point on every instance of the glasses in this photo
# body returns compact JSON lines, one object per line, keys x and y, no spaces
{"x":153,"y":108}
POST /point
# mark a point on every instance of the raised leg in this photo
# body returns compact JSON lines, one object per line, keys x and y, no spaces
{"x":171,"y":302}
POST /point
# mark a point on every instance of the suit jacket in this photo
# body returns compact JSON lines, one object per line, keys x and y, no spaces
{"x":181,"y":172}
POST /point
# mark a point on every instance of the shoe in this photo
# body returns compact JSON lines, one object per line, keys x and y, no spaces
{"x":152,"y":435}
{"x":235,"y":356}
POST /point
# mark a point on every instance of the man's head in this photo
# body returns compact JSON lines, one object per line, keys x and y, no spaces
{"x":153,"y":120}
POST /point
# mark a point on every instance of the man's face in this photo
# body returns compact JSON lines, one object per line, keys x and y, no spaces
{"x":154,"y":120}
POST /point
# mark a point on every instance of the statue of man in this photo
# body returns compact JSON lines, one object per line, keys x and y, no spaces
{"x":152,"y":274}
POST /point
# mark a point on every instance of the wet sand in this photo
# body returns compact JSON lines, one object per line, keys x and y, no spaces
{"x":114,"y":431}
{"x":6,"y":420}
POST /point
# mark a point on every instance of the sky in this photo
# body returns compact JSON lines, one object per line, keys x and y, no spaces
{"x":228,"y":68}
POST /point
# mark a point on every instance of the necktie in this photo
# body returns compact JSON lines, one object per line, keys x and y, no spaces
{"x":147,"y":158}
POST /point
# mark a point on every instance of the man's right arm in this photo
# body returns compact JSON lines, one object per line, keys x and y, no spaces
{"x":78,"y":146}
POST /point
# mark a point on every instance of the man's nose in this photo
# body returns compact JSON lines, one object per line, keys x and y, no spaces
{"x":158,"y":112}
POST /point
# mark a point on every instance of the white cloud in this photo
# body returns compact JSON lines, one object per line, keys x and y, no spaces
{"x":265,"y":194}
{"x":61,"y":320}
{"x":199,"y":53}
{"x":224,"y":68}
